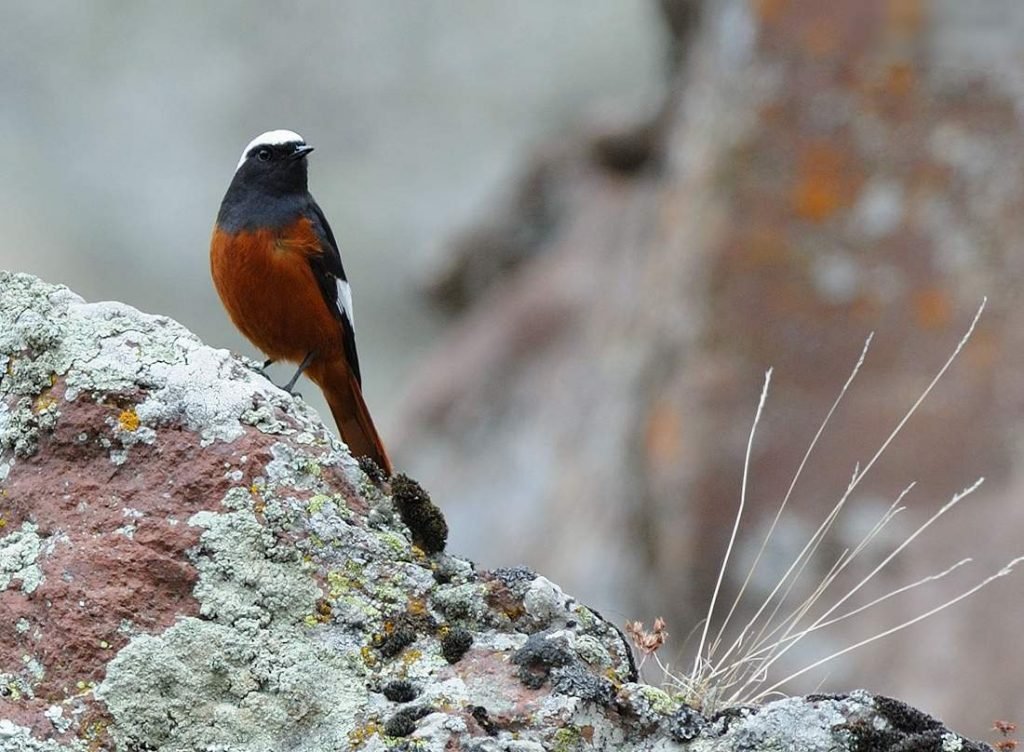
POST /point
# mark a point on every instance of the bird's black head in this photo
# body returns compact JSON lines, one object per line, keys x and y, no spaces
{"x":269,"y":188}
{"x":274,"y":163}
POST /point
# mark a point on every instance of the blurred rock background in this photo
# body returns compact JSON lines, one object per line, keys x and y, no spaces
{"x":579,"y":232}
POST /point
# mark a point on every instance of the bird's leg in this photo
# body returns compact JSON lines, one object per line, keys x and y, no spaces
{"x":266,"y":364}
{"x":302,"y":367}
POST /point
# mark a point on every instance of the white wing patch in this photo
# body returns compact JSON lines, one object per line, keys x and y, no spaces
{"x":345,"y":300}
{"x":271,"y":138}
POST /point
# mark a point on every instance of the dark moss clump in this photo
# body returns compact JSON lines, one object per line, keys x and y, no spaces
{"x":912,"y":731}
{"x":539,"y":656}
{"x":724,"y":718}
{"x":403,"y":722}
{"x":543,"y":658}
{"x":401,"y":631}
{"x":401,"y":690}
{"x":865,"y":738}
{"x":454,"y":644}
{"x":516,"y":579}
{"x":686,"y":724}
{"x":576,"y":681}
{"x":373,"y":471}
{"x":424,"y":520}
{"x":479,"y":713}
{"x":903,"y":717}
{"x":395,"y":641}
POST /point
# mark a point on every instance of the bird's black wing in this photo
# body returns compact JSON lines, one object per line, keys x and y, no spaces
{"x":330,"y":276}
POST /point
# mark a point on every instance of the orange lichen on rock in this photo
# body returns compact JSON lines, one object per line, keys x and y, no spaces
{"x":128,"y":420}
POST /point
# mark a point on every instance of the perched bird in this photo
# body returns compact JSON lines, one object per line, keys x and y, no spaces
{"x":277,"y":269}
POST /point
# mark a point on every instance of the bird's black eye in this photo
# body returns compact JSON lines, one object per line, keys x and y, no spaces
{"x":263,"y":154}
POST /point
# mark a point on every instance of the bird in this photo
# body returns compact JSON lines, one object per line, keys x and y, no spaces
{"x":278,"y":271}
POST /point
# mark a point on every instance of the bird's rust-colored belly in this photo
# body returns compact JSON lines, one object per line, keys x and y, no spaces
{"x":264,"y":279}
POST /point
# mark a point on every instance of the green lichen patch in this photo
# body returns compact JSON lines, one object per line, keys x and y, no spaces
{"x":464,"y":604}
{"x":568,"y":739}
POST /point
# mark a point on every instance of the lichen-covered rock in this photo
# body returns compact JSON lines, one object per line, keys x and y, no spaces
{"x":190,"y":561}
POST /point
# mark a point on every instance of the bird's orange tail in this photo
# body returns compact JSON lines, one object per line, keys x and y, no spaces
{"x":345,"y":398}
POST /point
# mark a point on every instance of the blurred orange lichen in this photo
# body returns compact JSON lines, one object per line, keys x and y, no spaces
{"x":900,"y":79}
{"x":932,"y":308}
{"x":771,"y":113}
{"x":983,"y":350}
{"x":821,"y":188}
{"x":865,"y":308}
{"x":769,"y":11}
{"x":765,"y":246}
{"x":904,"y":16}
{"x":663,"y":434}
{"x":821,"y":38}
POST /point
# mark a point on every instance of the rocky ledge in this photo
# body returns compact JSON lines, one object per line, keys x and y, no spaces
{"x":189,"y":560}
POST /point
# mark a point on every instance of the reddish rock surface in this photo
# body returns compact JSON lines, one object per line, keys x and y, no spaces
{"x":116,"y":561}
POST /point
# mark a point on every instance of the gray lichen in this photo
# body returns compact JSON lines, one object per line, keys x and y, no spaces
{"x":15,"y":738}
{"x":19,"y":554}
{"x":105,"y":348}
{"x":202,"y":683}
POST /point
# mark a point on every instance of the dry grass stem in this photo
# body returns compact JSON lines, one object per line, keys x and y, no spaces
{"x":740,"y":673}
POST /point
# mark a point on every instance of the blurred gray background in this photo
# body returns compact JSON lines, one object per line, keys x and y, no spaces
{"x":578,"y":233}
{"x":122,"y":124}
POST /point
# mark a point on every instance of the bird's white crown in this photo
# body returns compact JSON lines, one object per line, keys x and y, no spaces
{"x":271,"y":138}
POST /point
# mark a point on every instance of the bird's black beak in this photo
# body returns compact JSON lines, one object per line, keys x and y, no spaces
{"x":301,"y":151}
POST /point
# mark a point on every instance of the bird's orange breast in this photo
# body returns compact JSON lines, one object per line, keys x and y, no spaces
{"x":264,"y":279}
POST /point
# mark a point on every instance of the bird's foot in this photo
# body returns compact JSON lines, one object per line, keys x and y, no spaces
{"x":289,"y":387}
